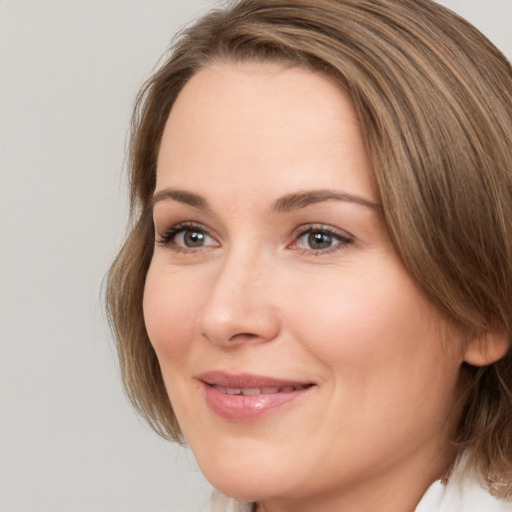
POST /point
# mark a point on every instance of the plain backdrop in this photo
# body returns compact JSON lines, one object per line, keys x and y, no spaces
{"x":69,"y":70}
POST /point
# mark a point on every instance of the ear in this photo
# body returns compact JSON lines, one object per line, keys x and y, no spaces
{"x":486,"y":349}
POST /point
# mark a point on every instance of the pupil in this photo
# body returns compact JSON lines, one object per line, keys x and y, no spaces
{"x":193,"y":238}
{"x":319,"y":240}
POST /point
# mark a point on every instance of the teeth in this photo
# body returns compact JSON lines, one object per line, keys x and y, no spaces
{"x":269,"y":391}
{"x":251,"y":391}
{"x":258,"y":391}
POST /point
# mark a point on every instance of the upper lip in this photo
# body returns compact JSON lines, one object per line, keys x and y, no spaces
{"x":247,"y":380}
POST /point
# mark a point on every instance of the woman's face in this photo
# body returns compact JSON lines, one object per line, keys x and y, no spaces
{"x":300,"y":357}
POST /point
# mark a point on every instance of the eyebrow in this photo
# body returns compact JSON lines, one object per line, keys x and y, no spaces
{"x":301,"y":200}
{"x":182,"y":196}
{"x":289,"y":202}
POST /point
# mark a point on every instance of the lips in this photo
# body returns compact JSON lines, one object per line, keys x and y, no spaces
{"x":248,"y":397}
{"x":259,"y":391}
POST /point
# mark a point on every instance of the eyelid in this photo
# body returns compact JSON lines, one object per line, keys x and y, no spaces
{"x":166,"y":239}
{"x":343,"y":238}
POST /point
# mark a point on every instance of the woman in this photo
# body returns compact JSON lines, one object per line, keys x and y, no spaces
{"x":315,"y":295}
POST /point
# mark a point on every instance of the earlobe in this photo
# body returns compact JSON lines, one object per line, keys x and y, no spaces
{"x":486,"y":349}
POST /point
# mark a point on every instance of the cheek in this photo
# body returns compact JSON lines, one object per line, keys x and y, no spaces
{"x":169,"y":314}
{"x":374,"y":325}
{"x":346,"y":313}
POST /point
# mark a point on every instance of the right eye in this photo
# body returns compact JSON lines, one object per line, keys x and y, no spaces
{"x":183,"y":237}
{"x":191,"y":238}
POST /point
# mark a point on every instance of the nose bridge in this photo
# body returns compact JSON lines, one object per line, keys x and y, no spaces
{"x":238,"y":306}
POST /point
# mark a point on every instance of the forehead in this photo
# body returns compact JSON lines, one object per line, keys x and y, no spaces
{"x":260,"y":123}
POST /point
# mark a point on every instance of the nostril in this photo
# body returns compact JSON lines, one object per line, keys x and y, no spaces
{"x":240,"y":336}
{"x":243,"y":336}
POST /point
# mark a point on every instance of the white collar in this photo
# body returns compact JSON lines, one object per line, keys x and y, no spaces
{"x":459,"y":495}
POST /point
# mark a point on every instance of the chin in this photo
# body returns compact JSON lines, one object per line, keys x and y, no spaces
{"x":242,"y":487}
{"x":249,"y":484}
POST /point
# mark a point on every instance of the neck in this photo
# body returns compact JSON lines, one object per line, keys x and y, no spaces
{"x":398,"y":489}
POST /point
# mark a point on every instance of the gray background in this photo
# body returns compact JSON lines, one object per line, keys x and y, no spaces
{"x":69,"y":70}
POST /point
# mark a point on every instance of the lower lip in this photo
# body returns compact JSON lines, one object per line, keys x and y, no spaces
{"x":248,"y":407}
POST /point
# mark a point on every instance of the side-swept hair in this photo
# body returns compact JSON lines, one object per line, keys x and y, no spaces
{"x":434,"y":100}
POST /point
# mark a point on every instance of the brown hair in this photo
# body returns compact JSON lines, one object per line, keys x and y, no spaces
{"x":434,"y":100}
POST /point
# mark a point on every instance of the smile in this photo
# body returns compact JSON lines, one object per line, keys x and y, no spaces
{"x":260,"y":391}
{"x":247,"y":397}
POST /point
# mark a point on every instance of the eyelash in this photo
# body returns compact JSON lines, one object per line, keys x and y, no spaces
{"x":343,"y":239}
{"x":167,"y":239}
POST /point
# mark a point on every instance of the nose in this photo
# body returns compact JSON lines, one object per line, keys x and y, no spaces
{"x":238,"y":307}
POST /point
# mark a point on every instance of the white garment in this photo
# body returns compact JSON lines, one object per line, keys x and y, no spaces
{"x":221,"y":503}
{"x":460,"y":496}
{"x":456,"y":496}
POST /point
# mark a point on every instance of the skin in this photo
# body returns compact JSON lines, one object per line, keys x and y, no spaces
{"x":256,"y":297}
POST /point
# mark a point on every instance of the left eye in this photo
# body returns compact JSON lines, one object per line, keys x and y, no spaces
{"x":317,"y":240}
{"x":320,"y":240}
